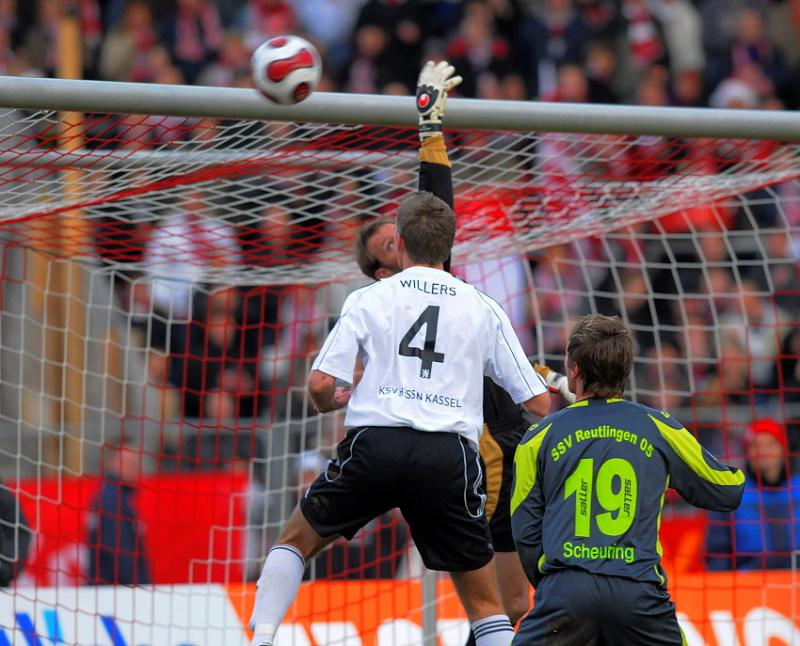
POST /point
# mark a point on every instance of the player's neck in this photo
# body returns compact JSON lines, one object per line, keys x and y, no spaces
{"x":581,"y":394}
{"x":438,"y":266}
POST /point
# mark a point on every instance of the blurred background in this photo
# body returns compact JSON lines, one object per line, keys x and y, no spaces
{"x":193,"y":364}
{"x":734,"y":53}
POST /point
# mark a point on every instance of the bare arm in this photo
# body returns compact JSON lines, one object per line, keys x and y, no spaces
{"x":324,"y":394}
{"x":538,"y":405}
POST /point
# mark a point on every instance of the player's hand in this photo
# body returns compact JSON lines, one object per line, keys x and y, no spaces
{"x":434,"y":82}
{"x":556,"y":382}
{"x":340,"y":397}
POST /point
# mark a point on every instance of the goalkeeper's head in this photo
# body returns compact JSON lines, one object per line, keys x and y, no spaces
{"x":375,"y":246}
{"x":426,"y":229}
{"x":375,"y":252}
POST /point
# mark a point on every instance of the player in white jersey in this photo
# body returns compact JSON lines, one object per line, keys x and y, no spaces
{"x":413,"y":329}
{"x":504,"y":422}
{"x":426,"y":339}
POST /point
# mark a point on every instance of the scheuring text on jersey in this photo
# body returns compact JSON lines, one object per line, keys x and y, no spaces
{"x":603,"y":466}
{"x":425,"y":356}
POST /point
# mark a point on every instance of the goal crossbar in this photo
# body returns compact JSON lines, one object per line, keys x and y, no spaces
{"x":322,"y":107}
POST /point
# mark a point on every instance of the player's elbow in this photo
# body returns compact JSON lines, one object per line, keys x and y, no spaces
{"x":320,"y":389}
{"x":730,"y":499}
{"x":539,"y":405}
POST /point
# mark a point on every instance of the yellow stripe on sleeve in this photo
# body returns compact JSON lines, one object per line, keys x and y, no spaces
{"x":525,"y":467}
{"x":433,"y":151}
{"x":690,"y":451}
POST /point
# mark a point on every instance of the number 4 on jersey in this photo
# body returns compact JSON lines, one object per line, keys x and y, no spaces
{"x":427,"y":354}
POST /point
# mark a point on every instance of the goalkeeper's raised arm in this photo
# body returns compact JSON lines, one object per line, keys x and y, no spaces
{"x":435,"y":175}
{"x":435,"y":81}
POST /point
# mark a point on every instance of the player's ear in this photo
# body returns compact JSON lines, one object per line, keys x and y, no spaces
{"x":382,"y":273}
{"x":399,"y":248}
{"x":572,"y":370}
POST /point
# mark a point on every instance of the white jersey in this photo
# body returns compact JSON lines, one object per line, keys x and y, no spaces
{"x":427,"y":340}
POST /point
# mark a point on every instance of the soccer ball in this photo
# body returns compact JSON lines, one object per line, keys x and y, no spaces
{"x":286,"y":69}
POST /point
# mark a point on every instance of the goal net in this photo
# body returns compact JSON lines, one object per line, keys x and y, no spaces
{"x":166,"y":282}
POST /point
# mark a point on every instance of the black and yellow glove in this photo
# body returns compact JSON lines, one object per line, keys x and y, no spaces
{"x":555,"y":381}
{"x":434,"y":82}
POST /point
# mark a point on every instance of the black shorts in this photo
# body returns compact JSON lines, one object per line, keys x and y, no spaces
{"x":434,"y":478}
{"x":575,"y":608}
{"x":497,"y":446}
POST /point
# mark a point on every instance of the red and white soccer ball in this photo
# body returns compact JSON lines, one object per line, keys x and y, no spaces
{"x":286,"y":69}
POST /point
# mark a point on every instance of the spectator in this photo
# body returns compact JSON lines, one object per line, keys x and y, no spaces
{"x":189,"y":240}
{"x":125,"y":54}
{"x":331,"y":23}
{"x":507,"y":16}
{"x":601,"y":17}
{"x":787,"y":372}
{"x":734,"y":94}
{"x":15,"y":536}
{"x":233,"y":62}
{"x":260,"y":20}
{"x":751,"y":57}
{"x":557,"y":36}
{"x":160,"y":397}
{"x":41,"y":37}
{"x":8,"y":59}
{"x":644,"y":35}
{"x":765,"y":530}
{"x":116,"y":539}
{"x":687,"y":88}
{"x":754,"y":322}
{"x":661,"y":377}
{"x":478,"y":53}
{"x":729,"y":381}
{"x":601,"y":70}
{"x":719,"y":21}
{"x":401,"y":21}
{"x":193,"y":34}
{"x":368,"y":68}
{"x":222,"y":376}
{"x":682,"y":33}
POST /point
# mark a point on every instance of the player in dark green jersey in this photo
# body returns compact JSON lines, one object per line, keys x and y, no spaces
{"x":589,"y":484}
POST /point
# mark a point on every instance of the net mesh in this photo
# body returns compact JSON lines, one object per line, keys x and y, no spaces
{"x":167,"y":281}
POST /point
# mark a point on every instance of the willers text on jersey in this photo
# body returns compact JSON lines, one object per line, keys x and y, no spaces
{"x":425,"y":287}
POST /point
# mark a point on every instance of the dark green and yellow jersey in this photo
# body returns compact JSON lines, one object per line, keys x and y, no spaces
{"x":589,"y":485}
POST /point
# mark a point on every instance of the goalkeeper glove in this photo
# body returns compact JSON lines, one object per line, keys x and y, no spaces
{"x":434,"y":82}
{"x":556,"y":382}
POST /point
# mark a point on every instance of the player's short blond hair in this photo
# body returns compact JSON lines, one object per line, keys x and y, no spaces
{"x":427,"y":226}
{"x":602,"y":349}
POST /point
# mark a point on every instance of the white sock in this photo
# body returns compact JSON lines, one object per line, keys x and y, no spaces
{"x":275,"y":591}
{"x":493,"y":631}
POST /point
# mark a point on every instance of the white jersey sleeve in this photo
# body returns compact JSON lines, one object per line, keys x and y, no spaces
{"x":506,"y":363}
{"x":337,"y":357}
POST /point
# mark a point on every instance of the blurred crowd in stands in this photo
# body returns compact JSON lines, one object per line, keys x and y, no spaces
{"x":726,"y":53}
{"x":723,"y":53}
